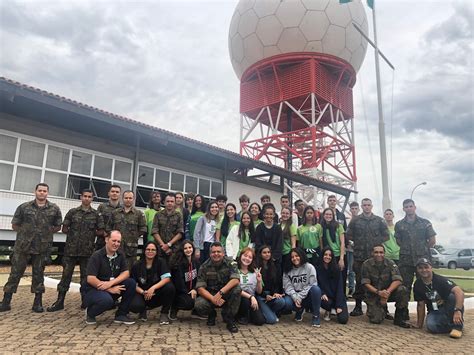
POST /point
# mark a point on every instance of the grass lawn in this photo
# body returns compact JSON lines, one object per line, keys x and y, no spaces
{"x":455,"y":272}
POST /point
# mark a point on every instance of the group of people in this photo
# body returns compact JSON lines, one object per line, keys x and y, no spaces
{"x":255,"y":264}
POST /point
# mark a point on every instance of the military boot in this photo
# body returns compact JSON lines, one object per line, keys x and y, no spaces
{"x":38,"y":303}
{"x":59,"y":304}
{"x":5,"y":305}
{"x":357,"y":311}
{"x":399,"y":313}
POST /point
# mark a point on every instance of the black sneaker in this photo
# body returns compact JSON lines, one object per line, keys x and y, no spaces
{"x":164,"y":319}
{"x":196,"y":315}
{"x":89,"y":319}
{"x":357,"y":311}
{"x":123,"y":319}
{"x":173,"y":314}
{"x":211,"y":319}
{"x":299,"y":314}
{"x":243,"y":321}
{"x":232,"y":327}
{"x":143,"y":316}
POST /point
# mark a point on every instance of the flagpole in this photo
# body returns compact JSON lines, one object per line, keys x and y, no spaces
{"x":383,"y":150}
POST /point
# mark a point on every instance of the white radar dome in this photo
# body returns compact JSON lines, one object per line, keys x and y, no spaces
{"x":260,"y":29}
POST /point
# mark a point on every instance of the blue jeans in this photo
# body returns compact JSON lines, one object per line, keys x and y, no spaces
{"x":98,"y":301}
{"x":441,"y":321}
{"x":271,"y":309}
{"x":312,"y":301}
{"x":351,"y":274}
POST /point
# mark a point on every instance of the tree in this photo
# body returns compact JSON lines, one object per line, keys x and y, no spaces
{"x":439,"y":248}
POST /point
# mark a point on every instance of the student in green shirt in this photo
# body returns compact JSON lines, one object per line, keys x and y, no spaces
{"x":199,"y":209}
{"x":154,"y":206}
{"x":392,"y":249}
{"x":255,"y":212}
{"x":332,"y":236}
{"x":225,"y":225}
{"x":240,"y":236}
{"x":289,"y":231}
{"x":309,"y":234}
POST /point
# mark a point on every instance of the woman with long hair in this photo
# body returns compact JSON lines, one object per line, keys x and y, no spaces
{"x":180,"y":207}
{"x":288,"y":231}
{"x":255,"y":212}
{"x":198,"y":210}
{"x":226,"y":224}
{"x":240,"y":236}
{"x":300,"y":284}
{"x":154,"y":286}
{"x":251,"y":285}
{"x":184,"y":270}
{"x":154,"y":206}
{"x":205,"y":231}
{"x":309,"y":234}
{"x":330,"y":282}
{"x":269,"y":233}
{"x":271,"y":300}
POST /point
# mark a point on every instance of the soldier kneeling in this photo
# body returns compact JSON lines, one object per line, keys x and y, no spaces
{"x":383,"y":283}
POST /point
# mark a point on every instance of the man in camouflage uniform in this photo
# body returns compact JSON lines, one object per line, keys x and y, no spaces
{"x":132,"y":225}
{"x":218,"y":286}
{"x":106,"y":211}
{"x":168,"y":227}
{"x":415,"y":236}
{"x":35,"y":223}
{"x":383,"y":283}
{"x":81,"y":225}
{"x":366,"y":230}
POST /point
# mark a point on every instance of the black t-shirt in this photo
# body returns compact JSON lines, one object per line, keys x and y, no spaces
{"x":105,"y":268}
{"x":438,"y":291}
{"x":146,"y":278}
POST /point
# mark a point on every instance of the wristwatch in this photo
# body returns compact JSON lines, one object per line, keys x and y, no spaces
{"x":169,"y":244}
{"x":457,"y":309}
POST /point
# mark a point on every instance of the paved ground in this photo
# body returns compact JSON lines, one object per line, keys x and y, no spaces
{"x":24,"y":331}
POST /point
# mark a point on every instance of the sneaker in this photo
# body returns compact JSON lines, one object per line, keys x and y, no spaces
{"x":89,"y":319}
{"x":164,"y":319}
{"x":357,"y":311}
{"x":327,"y":316}
{"x":143,"y":316}
{"x":333,"y":312}
{"x":196,"y":315}
{"x":316,"y":322}
{"x":232,"y":327}
{"x":123,"y":319}
{"x":211,"y":319}
{"x":350,"y":293}
{"x":455,"y":333}
{"x":388,"y":316}
{"x":173,"y":314}
{"x":243,"y":321}
{"x":299,"y":315}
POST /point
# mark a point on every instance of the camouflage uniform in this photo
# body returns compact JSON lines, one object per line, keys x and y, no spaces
{"x":106,"y":211}
{"x":413,"y":239}
{"x":365,"y":232}
{"x":381,"y":277}
{"x":214,"y":277}
{"x":34,"y":239}
{"x":132,"y":225}
{"x":167,"y":225}
{"x":83,"y":225}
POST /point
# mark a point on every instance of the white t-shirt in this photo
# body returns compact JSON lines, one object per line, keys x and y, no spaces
{"x":248,"y":282}
{"x":209,"y":235}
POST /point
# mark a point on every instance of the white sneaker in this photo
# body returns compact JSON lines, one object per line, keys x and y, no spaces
{"x":327,"y":316}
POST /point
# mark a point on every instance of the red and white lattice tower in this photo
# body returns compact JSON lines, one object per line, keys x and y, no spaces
{"x":297,"y":62}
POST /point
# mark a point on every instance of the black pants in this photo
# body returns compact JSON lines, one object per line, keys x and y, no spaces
{"x":342,"y":317}
{"x":163,"y":297}
{"x":359,"y":292}
{"x":183,"y":301}
{"x":253,"y":316}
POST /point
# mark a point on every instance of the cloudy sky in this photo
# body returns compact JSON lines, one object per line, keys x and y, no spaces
{"x":167,"y":63}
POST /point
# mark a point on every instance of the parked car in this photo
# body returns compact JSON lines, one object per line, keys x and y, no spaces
{"x":435,"y":257}
{"x":456,"y":258}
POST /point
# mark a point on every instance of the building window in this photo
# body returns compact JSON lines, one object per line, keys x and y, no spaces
{"x":57,"y":183}
{"x":216,"y":188}
{"x":26,"y":179}
{"x":122,"y":171}
{"x":81,"y":163}
{"x":162,"y":179}
{"x":204,"y":187}
{"x":177,"y":182}
{"x":103,"y":167}
{"x":191,"y":184}
{"x":6,"y":175}
{"x":7,"y":147}
{"x":31,"y":153}
{"x":145,"y":176}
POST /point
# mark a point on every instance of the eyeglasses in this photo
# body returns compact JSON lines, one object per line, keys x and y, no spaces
{"x":153,"y":250}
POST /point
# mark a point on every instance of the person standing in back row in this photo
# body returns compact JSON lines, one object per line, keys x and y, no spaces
{"x":415,"y":236}
{"x":366,"y":231}
{"x":35,"y":223}
{"x":106,"y":211}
